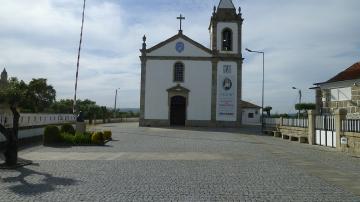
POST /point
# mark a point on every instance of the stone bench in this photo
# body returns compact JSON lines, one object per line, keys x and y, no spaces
{"x":276,"y":133}
{"x":295,"y":137}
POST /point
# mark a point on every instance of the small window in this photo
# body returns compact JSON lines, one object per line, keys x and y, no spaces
{"x":251,"y":115}
{"x":340,"y":94}
{"x":179,"y":72}
{"x":227,"y":39}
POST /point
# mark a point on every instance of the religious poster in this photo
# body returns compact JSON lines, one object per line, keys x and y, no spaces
{"x":226,"y":92}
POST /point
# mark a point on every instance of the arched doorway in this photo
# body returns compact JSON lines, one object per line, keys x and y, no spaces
{"x":178,"y":111}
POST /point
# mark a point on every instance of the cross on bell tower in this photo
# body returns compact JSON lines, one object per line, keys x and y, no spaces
{"x":180,"y":18}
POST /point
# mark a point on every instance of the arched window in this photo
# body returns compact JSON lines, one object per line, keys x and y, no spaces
{"x":179,"y":72}
{"x":227,"y":38}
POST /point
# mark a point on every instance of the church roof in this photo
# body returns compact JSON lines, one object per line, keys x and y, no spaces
{"x":177,"y":36}
{"x":351,"y":73}
{"x":247,"y":105}
{"x":226,"y":4}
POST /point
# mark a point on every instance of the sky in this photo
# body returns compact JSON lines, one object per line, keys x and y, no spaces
{"x":305,"y":42}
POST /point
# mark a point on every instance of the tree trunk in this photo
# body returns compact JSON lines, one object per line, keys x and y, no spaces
{"x":11,"y":154}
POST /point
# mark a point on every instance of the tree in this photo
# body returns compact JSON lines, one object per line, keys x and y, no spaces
{"x":39,"y":95}
{"x":62,"y":106}
{"x":12,"y":95}
{"x":267,"y":110}
{"x":305,"y":106}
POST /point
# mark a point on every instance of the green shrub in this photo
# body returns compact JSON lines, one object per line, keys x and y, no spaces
{"x":107,"y":135}
{"x":67,"y":128}
{"x":97,"y":138}
{"x":80,"y":138}
{"x":51,"y":135}
{"x":68,"y":138}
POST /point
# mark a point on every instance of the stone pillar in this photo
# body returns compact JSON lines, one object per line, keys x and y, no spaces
{"x":311,"y":128}
{"x":214,"y":91}
{"x":340,"y":115}
{"x":142,"y":85}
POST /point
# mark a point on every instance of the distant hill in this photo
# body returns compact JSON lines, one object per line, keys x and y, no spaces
{"x":135,"y":110}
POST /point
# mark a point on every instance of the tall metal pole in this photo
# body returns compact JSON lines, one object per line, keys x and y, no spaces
{"x":263,"y":87}
{"x":78,"y":58}
{"x":263,"y":91}
{"x":116,"y":92}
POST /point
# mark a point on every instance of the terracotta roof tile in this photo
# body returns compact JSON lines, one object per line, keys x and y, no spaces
{"x":350,"y":73}
{"x":245,"y":104}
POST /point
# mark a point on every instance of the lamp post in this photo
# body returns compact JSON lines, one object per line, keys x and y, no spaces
{"x":263,"y":86}
{"x":300,"y":95}
{"x":116,"y":93}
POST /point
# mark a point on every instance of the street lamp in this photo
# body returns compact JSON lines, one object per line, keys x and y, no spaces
{"x":116,"y":93}
{"x":300,"y":95}
{"x":263,"y":86}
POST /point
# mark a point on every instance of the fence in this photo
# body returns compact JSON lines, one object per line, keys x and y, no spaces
{"x":27,"y":120}
{"x":325,"y":123}
{"x":350,"y":125}
{"x":302,"y":123}
{"x":272,"y":121}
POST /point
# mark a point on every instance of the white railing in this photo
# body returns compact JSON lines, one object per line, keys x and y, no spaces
{"x":295,"y":122}
{"x":28,"y":120}
{"x":272,"y":121}
{"x":325,"y":123}
{"x":350,"y":125}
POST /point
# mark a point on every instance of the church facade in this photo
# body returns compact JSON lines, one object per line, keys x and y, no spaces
{"x":185,"y":83}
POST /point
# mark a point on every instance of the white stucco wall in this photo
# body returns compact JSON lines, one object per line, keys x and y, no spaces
{"x":251,"y":121}
{"x":234,"y":27}
{"x":159,"y":78}
{"x":170,"y":50}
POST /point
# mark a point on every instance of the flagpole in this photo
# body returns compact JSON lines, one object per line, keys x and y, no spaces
{"x":78,"y":58}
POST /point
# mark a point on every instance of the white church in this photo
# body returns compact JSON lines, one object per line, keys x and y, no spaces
{"x":184,"y":83}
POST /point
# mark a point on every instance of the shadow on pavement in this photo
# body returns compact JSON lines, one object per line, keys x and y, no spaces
{"x":30,"y":182}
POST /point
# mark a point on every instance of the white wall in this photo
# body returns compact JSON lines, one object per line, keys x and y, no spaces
{"x":234,"y":27}
{"x":159,"y":78}
{"x":170,"y":50}
{"x":36,"y":119}
{"x":251,"y":121}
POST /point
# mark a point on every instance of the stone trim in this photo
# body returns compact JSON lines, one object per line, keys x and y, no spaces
{"x":177,"y":36}
{"x":142,"y":89}
{"x":222,"y":57}
{"x":155,"y":123}
{"x":178,"y":58}
{"x":190,"y":123}
{"x":239,"y":92}
{"x":214,"y":90}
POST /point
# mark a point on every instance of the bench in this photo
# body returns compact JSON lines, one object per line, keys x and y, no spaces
{"x":295,"y":137}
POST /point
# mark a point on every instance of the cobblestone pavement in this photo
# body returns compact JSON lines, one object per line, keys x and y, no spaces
{"x":158,"y":164}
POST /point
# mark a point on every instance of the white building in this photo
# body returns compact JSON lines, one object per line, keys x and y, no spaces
{"x":186,"y":83}
{"x":250,"y":113}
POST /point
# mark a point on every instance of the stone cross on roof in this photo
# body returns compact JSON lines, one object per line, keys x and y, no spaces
{"x":181,"y":18}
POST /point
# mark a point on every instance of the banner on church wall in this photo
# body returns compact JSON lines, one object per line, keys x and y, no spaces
{"x":226,"y":92}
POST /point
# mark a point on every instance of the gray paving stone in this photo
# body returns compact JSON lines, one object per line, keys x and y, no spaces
{"x":266,"y":169}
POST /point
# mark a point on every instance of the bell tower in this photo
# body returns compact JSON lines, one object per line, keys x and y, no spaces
{"x":225,"y":28}
{"x":226,"y":39}
{"x":4,"y":75}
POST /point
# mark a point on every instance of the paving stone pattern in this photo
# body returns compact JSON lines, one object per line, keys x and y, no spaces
{"x":247,"y":167}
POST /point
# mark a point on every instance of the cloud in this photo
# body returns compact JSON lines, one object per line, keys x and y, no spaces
{"x":305,"y":42}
